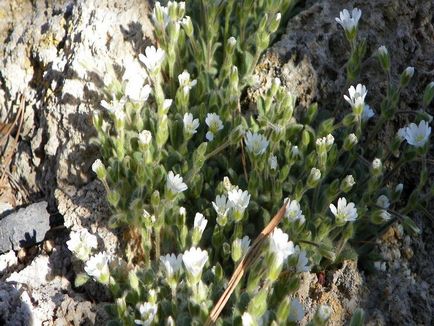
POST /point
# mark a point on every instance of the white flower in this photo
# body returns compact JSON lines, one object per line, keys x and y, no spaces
{"x":175,"y":183}
{"x":115,"y":105}
{"x":315,"y":174}
{"x":418,"y":135}
{"x":185,"y":82}
{"x":280,"y":246}
{"x":349,"y":21}
{"x":194,"y":260}
{"x":240,"y":247}
{"x":97,"y":165}
{"x":82,"y":243}
{"x":232,"y":41}
{"x":272,"y":161}
{"x":134,"y":71}
{"x":349,"y":181}
{"x":190,"y":124}
{"x":383,"y":202}
{"x":98,"y":267}
{"x":256,"y":143}
{"x":382,"y":50}
{"x":344,"y":212}
{"x":380,"y":266}
{"x":302,"y":262}
{"x":120,"y":115}
{"x":214,"y":124}
{"x":367,"y":113}
{"x":330,"y":140}
{"x":153,"y":58}
{"x":239,"y":199}
{"x":172,"y":264}
{"x":376,"y":164}
{"x":296,"y":310}
{"x":187,"y":24}
{"x":145,"y":137}
{"x":200,"y":222}
{"x":293,"y":211}
{"x":148,"y":311}
{"x":324,"y":312}
{"x":221,"y":206}
{"x":248,"y":320}
{"x":409,"y":72}
{"x":385,"y":215}
{"x":295,"y":151}
{"x":357,"y":96}
{"x":166,"y":104}
{"x":161,"y":11}
{"x":399,"y":187}
{"x":136,"y":92}
{"x":244,"y":243}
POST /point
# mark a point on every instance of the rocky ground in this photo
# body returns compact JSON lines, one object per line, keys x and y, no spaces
{"x":45,"y":49}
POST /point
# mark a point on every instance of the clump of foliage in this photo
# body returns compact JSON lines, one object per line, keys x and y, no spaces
{"x":192,"y":179}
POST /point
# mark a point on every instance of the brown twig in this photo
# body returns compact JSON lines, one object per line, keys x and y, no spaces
{"x":251,"y":256}
{"x":19,"y":117}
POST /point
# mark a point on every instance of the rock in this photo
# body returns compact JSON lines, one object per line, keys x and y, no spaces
{"x":7,"y":261}
{"x":25,"y":227}
{"x":15,"y":306}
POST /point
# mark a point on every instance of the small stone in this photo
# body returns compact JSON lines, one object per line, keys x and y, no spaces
{"x":21,"y":255}
{"x":24,"y":227}
{"x":48,"y":246}
{"x":408,"y":253}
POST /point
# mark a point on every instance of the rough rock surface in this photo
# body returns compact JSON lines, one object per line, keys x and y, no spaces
{"x":25,"y":227}
{"x":44,"y":48}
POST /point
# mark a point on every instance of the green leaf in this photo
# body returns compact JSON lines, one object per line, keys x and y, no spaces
{"x":81,"y":279}
{"x":358,"y":318}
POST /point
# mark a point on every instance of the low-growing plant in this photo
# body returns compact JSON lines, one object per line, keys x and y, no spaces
{"x":192,"y":177}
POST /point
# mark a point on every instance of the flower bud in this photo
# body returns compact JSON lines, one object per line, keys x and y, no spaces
{"x":347,"y":183}
{"x":231,"y":43}
{"x":350,"y":141}
{"x":376,"y":167}
{"x":99,"y":168}
{"x":322,"y":315}
{"x":396,"y":193}
{"x":155,"y":199}
{"x":97,"y":121}
{"x":174,"y":29}
{"x":383,"y":58}
{"x":380,"y":216}
{"x":172,"y":7}
{"x":258,"y":304}
{"x":181,"y":9}
{"x":113,"y":197}
{"x":428,"y":94}
{"x":234,"y":76}
{"x":275,"y":86}
{"x":314,"y":177}
{"x":187,"y":25}
{"x":274,"y":25}
{"x":406,"y":76}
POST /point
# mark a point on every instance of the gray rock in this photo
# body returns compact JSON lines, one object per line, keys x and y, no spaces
{"x":25,"y":227}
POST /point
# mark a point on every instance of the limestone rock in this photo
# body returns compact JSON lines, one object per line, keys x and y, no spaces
{"x":25,"y":227}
